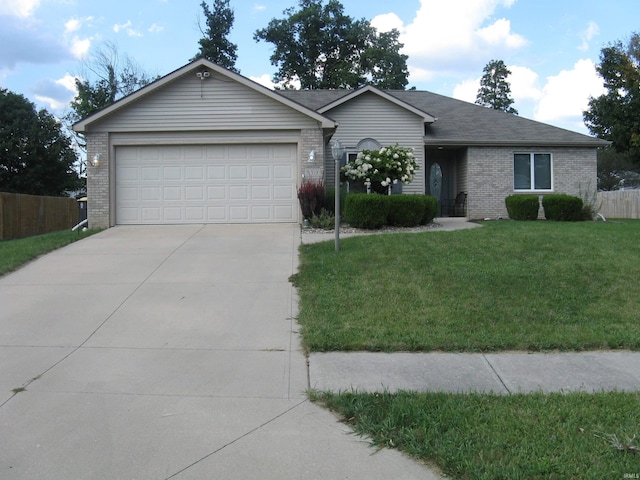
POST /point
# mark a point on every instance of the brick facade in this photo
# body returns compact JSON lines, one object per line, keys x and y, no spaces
{"x":311,"y":139}
{"x":98,"y":180}
{"x":490,"y":176}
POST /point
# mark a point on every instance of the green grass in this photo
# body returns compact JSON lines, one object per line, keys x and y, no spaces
{"x":534,"y":436}
{"x":506,"y":286}
{"x":15,"y":253}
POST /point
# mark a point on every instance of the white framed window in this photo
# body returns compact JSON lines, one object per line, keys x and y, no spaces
{"x":533,"y":171}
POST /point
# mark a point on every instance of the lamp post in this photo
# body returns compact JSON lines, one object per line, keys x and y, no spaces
{"x":337,"y":151}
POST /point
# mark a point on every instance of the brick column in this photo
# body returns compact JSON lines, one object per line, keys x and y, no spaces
{"x":98,"y":180}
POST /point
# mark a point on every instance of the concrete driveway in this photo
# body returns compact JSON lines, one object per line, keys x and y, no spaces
{"x":167,"y":352}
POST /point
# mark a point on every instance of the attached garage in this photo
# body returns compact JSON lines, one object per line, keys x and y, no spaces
{"x":201,"y":145}
{"x":206,"y":184}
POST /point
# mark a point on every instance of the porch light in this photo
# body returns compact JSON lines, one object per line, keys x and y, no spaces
{"x":96,"y":160}
{"x":337,"y":151}
{"x":312,"y":156}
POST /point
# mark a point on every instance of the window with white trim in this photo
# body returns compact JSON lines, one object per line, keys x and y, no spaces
{"x":532,"y":171}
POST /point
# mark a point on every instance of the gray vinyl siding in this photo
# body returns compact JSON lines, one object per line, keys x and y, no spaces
{"x":370,"y":116}
{"x":216,"y":103}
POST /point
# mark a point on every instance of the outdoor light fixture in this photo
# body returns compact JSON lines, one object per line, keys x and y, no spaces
{"x":96,"y":160}
{"x":312,"y":156}
{"x":337,"y":151}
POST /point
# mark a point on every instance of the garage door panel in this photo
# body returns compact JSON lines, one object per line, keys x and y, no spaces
{"x":206,"y":184}
{"x":284,"y":192}
{"x":150,"y":194}
{"x":283,"y":172}
{"x":151,"y":215}
{"x":172,"y":173}
{"x":171,"y":194}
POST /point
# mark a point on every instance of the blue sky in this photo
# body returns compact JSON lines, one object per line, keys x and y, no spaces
{"x":551,"y":47}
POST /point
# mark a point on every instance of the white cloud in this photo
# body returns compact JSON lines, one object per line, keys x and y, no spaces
{"x":566,"y":95}
{"x":56,"y":94}
{"x":467,"y":90}
{"x":458,"y":35}
{"x":19,"y":8}
{"x":524,"y":84}
{"x":387,"y":22}
{"x":155,"y":28}
{"x":126,"y":27}
{"x":72,"y":25}
{"x":258,"y":7}
{"x":265,"y":80}
{"x":80,"y":47}
{"x":586,"y":35}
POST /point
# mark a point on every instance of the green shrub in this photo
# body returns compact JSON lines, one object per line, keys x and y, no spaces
{"x":430,"y":209}
{"x":405,"y":210}
{"x":563,"y":208}
{"x":522,"y":207}
{"x":366,"y":211}
{"x":325,"y":220}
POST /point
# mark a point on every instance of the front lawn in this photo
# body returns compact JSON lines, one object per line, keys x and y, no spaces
{"x":506,"y":286}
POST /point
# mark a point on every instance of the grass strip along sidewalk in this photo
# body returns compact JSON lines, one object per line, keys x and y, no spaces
{"x":15,"y":253}
{"x":507,"y":286}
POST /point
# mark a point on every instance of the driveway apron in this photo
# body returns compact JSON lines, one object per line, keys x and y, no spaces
{"x":167,"y":352}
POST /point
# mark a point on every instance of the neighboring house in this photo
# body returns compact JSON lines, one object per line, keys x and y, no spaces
{"x":206,"y":145}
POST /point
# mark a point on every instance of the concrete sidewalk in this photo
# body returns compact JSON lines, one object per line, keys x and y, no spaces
{"x":443,"y":224}
{"x":500,"y":373}
{"x":167,"y":352}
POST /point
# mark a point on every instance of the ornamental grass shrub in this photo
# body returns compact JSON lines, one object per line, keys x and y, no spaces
{"x":561,"y":207}
{"x":405,"y":210}
{"x":522,"y":207}
{"x":366,"y":211}
{"x":311,"y":197}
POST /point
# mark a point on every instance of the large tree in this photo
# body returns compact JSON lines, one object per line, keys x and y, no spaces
{"x":108,"y":76}
{"x":615,"y":115}
{"x":495,"y":91}
{"x":214,"y":45}
{"x":319,"y":46}
{"x":36,"y":156}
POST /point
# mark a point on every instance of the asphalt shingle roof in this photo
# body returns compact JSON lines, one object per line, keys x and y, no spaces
{"x":462,"y":123}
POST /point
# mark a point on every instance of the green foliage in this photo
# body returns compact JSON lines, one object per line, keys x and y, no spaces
{"x":321,"y":47}
{"x":615,"y":115}
{"x":386,"y":166}
{"x":495,"y":91}
{"x":214,"y":45}
{"x":617,"y":170}
{"x":15,"y":253}
{"x":366,"y":211}
{"x":562,"y":208}
{"x":430,"y":209}
{"x":311,"y":197}
{"x":36,"y":156}
{"x":325,"y":220}
{"x":406,"y":210}
{"x":522,"y":207}
{"x":113,"y":78}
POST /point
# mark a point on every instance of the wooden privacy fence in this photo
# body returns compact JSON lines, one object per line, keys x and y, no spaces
{"x":619,"y":204}
{"x":26,"y":215}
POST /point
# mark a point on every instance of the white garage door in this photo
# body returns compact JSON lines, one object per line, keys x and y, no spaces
{"x":206,"y":184}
